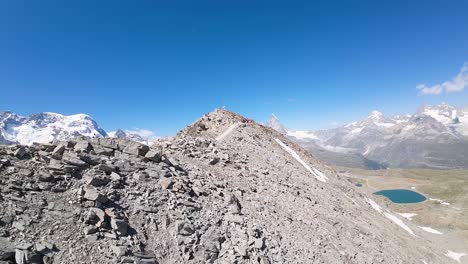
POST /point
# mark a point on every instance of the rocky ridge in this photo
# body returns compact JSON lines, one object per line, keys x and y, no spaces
{"x":223,"y":190}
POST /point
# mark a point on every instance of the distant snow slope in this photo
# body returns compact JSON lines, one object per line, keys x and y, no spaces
{"x":45,"y":127}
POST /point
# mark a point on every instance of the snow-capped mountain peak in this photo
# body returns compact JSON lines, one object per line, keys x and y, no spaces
{"x":443,"y":113}
{"x":274,"y":123}
{"x":45,"y":127}
{"x":376,"y":115}
{"x":434,"y":136}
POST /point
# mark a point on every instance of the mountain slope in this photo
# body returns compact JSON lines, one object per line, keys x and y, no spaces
{"x":45,"y":127}
{"x":224,"y":190}
{"x":276,"y":185}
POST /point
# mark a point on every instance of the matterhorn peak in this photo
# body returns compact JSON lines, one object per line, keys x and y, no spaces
{"x":275,"y":123}
{"x":375,"y":114}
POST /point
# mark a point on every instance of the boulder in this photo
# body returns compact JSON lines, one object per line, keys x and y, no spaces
{"x":119,"y":251}
{"x":21,"y":152}
{"x":120,"y":226}
{"x":58,"y":151}
{"x":90,"y":158}
{"x":94,"y":195}
{"x":7,"y":249}
{"x":166,"y":183}
{"x":96,"y":180}
{"x":153,"y":155}
{"x":100,"y":150}
{"x":107,"y":143}
{"x":74,"y":160}
{"x":96,"y":216}
{"x":83,"y":146}
{"x":107,"y":168}
{"x":140,"y":176}
{"x":135,"y":148}
{"x":184,"y":228}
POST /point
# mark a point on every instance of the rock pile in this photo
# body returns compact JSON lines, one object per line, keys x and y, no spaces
{"x":188,"y":199}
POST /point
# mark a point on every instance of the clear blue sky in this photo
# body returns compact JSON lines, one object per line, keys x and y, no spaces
{"x":161,"y":64}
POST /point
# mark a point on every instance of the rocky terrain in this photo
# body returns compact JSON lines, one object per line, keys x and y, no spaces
{"x":223,"y":190}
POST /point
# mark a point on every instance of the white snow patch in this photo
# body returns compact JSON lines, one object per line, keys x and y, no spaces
{"x":227,"y":132}
{"x":408,"y":216}
{"x":319,"y":175}
{"x":374,"y":205}
{"x":423,"y":261}
{"x":357,"y":130}
{"x":430,"y":230}
{"x":390,"y":216}
{"x":398,"y":221}
{"x":439,"y":201}
{"x":384,"y":124}
{"x":367,"y":151}
{"x":454,"y":255}
{"x":351,"y":199}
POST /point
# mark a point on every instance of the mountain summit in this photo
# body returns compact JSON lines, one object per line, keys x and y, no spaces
{"x":275,"y":123}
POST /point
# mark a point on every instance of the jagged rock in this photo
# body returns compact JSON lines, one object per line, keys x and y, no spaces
{"x":7,"y":249}
{"x":153,"y":155}
{"x":108,"y":143}
{"x":89,"y":230}
{"x":184,"y":228}
{"x":107,"y":168}
{"x":94,"y":195}
{"x":21,"y":152}
{"x":90,"y":158}
{"x":44,"y":176}
{"x":96,"y":180}
{"x":120,"y":226}
{"x":58,"y":151}
{"x":96,"y":216}
{"x":119,"y":251}
{"x":83,"y":146}
{"x":166,"y":183}
{"x":99,"y":150}
{"x":45,"y":248}
{"x":73,"y":160}
{"x":27,"y":257}
{"x":115,"y":177}
{"x":214,"y":161}
{"x":140,"y":176}
{"x":25,"y":172}
{"x":5,"y":163}
{"x":135,"y":148}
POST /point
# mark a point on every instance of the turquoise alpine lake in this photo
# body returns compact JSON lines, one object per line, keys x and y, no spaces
{"x":402,"y":196}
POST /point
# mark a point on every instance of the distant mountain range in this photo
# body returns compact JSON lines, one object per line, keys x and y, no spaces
{"x":433,"y":137}
{"x":46,"y":127}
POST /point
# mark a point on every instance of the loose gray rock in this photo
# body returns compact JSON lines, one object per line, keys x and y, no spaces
{"x":135,"y":148}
